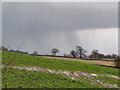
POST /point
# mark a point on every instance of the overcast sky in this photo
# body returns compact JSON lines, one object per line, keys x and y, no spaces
{"x":43,"y":26}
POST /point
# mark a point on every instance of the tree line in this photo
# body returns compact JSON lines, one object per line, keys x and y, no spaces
{"x":80,"y":52}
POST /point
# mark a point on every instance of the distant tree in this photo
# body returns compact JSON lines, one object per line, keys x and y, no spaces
{"x":73,"y":53}
{"x":100,"y":56}
{"x":108,"y":56}
{"x":94,"y":54}
{"x":3,"y":48}
{"x":80,"y":51}
{"x":35,"y":53}
{"x":54,"y":51}
{"x":114,"y":56}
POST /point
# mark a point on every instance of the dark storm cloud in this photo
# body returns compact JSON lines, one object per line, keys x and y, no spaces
{"x":41,"y":26}
{"x":65,"y":16}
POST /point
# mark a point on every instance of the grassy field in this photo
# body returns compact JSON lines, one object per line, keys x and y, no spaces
{"x":52,"y":80}
{"x":98,"y":62}
{"x":44,"y":80}
{"x":107,"y":59}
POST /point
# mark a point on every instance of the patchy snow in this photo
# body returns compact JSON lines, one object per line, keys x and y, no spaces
{"x":94,"y":75}
{"x":107,"y":84}
{"x":111,"y":76}
{"x":71,"y":74}
{"x":68,"y":73}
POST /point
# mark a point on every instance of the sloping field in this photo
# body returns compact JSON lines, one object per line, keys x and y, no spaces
{"x":41,"y":72}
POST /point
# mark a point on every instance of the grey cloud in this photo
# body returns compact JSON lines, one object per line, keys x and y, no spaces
{"x":46,"y":16}
{"x":42,"y":26}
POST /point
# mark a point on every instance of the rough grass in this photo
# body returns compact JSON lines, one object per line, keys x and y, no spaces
{"x":108,"y":79}
{"x":56,"y":64}
{"x":25,"y":79}
{"x":109,"y":59}
{"x":98,"y":62}
{"x":19,"y":78}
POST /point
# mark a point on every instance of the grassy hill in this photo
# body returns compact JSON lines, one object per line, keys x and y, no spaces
{"x":16,"y":77}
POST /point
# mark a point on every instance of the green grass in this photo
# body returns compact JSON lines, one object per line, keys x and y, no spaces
{"x":43,"y":80}
{"x":18,"y":78}
{"x":56,"y":64}
{"x":108,"y":79}
{"x":108,"y":59}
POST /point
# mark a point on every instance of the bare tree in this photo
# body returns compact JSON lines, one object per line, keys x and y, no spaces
{"x":54,"y":51}
{"x":80,"y":51}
